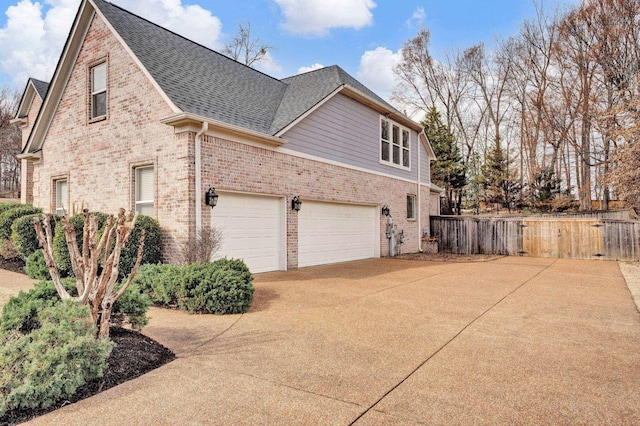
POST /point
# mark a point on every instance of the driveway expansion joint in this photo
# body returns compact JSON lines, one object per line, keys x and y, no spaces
{"x":448,"y":342}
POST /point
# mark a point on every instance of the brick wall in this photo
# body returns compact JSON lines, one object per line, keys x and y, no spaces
{"x":99,"y":157}
{"x":235,"y":166}
{"x":26,"y":167}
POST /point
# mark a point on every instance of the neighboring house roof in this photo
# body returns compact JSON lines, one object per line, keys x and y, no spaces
{"x":198,"y":81}
{"x":41,"y":87}
{"x":34,"y":87}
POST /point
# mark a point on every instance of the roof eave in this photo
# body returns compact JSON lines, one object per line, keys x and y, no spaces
{"x":362,"y":97}
{"x":427,"y":145}
{"x":186,"y":119}
{"x":31,"y":156}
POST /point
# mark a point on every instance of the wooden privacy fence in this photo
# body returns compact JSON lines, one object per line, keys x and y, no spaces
{"x":561,"y":237}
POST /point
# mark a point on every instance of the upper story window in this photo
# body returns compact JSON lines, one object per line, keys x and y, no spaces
{"x":99,"y":91}
{"x":395,"y":144}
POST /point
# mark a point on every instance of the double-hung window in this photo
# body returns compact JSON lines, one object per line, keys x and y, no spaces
{"x":99,"y":90}
{"x":144,"y":190}
{"x":395,"y":144}
{"x":62,"y":196}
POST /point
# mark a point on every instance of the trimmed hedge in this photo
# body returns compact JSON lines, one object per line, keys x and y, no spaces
{"x":152,"y":246}
{"x":23,"y":235}
{"x":49,"y":356}
{"x":220,"y":287}
{"x":10,"y":205}
{"x":9,"y":216}
{"x":36,"y":267}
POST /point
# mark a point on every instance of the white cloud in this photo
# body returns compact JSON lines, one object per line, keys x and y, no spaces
{"x":190,"y":21}
{"x":33,"y":37}
{"x":268,"y":65}
{"x":418,"y":17}
{"x":317,"y":17}
{"x":313,"y":67}
{"x":376,"y":70}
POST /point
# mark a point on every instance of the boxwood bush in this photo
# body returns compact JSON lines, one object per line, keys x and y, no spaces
{"x":10,"y":205}
{"x":152,"y":246}
{"x":23,"y":234}
{"x":7,"y":218}
{"x":36,"y":267}
{"x":46,"y":357}
{"x":220,"y":287}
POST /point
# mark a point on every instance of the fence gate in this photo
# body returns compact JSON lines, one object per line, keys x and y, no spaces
{"x":571,"y":239}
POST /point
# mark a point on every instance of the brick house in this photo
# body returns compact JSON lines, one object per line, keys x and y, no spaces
{"x":138,"y":117}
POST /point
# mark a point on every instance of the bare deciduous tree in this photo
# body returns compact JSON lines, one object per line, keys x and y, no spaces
{"x":10,"y":141}
{"x":98,"y":290}
{"x":243,"y":48}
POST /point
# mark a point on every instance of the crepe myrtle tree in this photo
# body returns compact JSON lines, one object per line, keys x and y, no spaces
{"x":96,"y":268}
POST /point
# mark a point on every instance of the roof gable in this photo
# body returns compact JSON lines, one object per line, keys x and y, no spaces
{"x":34,"y":88}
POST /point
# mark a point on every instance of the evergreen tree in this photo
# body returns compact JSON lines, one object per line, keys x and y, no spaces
{"x":447,"y":171}
{"x":498,"y":179}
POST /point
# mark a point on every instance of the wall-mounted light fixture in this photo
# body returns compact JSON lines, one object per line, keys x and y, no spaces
{"x":385,"y":210}
{"x":211,"y":198}
{"x":296,"y":203}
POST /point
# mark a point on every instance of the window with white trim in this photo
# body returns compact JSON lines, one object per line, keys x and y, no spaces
{"x":144,"y":190}
{"x":62,"y":196}
{"x":99,"y":90}
{"x":411,"y":206}
{"x":395,"y":144}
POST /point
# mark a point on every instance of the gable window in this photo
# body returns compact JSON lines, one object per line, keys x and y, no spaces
{"x":61,"y":196}
{"x":395,"y":143}
{"x":99,"y":90}
{"x":411,"y":206}
{"x":144,"y":180}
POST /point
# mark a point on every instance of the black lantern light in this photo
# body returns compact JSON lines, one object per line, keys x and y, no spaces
{"x":296,"y":203}
{"x":385,"y":210}
{"x":211,"y":198}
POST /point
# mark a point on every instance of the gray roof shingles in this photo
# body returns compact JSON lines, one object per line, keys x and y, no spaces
{"x":41,"y":87}
{"x":201,"y":81}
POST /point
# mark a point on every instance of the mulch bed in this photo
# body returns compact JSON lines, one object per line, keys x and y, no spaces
{"x":133,"y":355}
{"x":450,"y":257}
{"x":13,"y":265}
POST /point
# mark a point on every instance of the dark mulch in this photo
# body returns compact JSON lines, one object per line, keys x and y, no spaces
{"x":134,"y":355}
{"x":13,"y":265}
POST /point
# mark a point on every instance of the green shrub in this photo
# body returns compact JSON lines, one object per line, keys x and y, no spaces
{"x":20,"y":311}
{"x":52,"y":360}
{"x":23,"y":234}
{"x":6,"y":206}
{"x":9,"y":216}
{"x":60,"y":249}
{"x":220,"y":287}
{"x":36,"y":266}
{"x":152,"y":245}
{"x":160,"y":282}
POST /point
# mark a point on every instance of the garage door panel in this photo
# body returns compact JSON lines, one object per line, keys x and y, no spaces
{"x":251,"y":228}
{"x":331,"y":233}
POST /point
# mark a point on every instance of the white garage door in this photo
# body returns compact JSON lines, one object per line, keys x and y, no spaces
{"x":331,"y":233}
{"x":251,"y":230}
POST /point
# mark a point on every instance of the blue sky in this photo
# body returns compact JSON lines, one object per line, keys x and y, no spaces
{"x":362,"y":36}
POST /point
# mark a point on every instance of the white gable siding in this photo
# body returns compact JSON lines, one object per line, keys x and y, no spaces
{"x":348,"y":132}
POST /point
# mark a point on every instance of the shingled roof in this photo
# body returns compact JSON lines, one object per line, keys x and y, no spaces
{"x":201,"y":81}
{"x":41,"y":87}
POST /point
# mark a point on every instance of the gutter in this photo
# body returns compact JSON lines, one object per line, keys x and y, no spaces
{"x":202,"y":131}
{"x":419,"y":200}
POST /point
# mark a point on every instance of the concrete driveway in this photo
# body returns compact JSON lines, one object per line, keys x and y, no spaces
{"x":395,"y":342}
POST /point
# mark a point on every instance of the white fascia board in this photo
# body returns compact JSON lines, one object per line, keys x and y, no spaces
{"x":186,"y":119}
{"x":25,"y":103}
{"x":427,"y":145}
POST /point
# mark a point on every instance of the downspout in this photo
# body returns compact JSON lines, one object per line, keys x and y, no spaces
{"x":205,"y":127}
{"x":419,"y":201}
